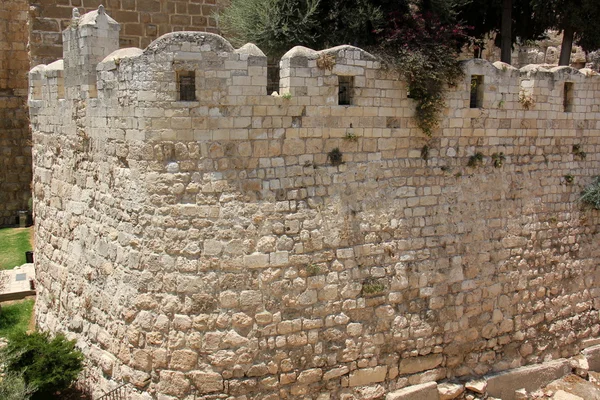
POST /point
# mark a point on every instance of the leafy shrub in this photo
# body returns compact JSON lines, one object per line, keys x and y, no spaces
{"x":424,"y":49}
{"x":47,"y":364}
{"x":591,"y":194}
{"x":13,"y":387}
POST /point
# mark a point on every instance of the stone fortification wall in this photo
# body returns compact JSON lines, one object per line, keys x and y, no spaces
{"x":142,"y":21}
{"x":219,"y":246}
{"x":15,"y":146}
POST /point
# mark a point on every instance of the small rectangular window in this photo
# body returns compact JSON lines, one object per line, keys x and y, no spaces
{"x":187,"y":86}
{"x":568,"y":97}
{"x":345,"y":90}
{"x":60,"y":87}
{"x":272,"y":76}
{"x":476,"y":91}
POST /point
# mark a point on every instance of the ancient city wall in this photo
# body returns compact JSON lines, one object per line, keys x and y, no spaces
{"x":220,"y":245}
{"x":15,"y":146}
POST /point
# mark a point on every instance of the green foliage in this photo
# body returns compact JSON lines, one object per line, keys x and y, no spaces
{"x":287,"y":96}
{"x":425,"y":152}
{"x":578,"y":152}
{"x":424,"y":49}
{"x":14,"y":242}
{"x":335,"y":156}
{"x":312,"y":270}
{"x":580,"y":16}
{"x":278,"y":25}
{"x":498,"y":159}
{"x":591,"y":194}
{"x":569,"y":179}
{"x":15,"y":318}
{"x":48,"y":364}
{"x":273,"y":25}
{"x":372,"y":287}
{"x":351,"y":137}
{"x":475,"y":160}
{"x":13,"y":387}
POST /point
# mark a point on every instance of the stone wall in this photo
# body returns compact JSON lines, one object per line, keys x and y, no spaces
{"x":15,"y":146}
{"x":223,"y":247}
{"x":142,"y":21}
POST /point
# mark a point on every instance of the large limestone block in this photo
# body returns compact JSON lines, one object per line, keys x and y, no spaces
{"x":531,"y":378}
{"x":593,"y":357}
{"x":424,"y":391}
{"x":417,"y":364}
{"x":367,"y":376}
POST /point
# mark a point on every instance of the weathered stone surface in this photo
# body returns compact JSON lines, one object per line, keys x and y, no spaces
{"x":531,"y":378}
{"x":207,"y":382}
{"x":449,"y":391}
{"x":367,"y":376}
{"x":421,"y":363}
{"x":425,"y":391}
{"x":185,"y":213}
{"x":477,"y":386}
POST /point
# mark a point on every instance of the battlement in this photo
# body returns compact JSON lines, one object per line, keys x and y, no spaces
{"x":202,"y":75}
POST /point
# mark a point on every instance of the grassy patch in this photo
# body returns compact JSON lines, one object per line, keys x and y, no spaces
{"x":16,"y":317}
{"x":14,"y":242}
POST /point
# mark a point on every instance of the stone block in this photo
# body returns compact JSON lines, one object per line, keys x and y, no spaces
{"x":366,"y":376}
{"x":207,"y":382}
{"x":422,"y":363}
{"x":425,"y":391}
{"x":593,"y":357}
{"x":531,"y":378}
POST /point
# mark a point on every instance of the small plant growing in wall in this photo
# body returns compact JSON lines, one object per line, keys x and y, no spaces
{"x":326,"y":61}
{"x":526,"y":100}
{"x":569,"y":179}
{"x":351,"y":137}
{"x":335,"y":156}
{"x":578,"y":152}
{"x":425,"y":152}
{"x":372,"y":287}
{"x":312,"y":270}
{"x":475,"y":160}
{"x":498,"y":159}
{"x":286,"y":96}
{"x":591,"y":194}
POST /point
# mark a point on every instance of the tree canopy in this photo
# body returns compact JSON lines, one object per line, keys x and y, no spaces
{"x":576,"y":19}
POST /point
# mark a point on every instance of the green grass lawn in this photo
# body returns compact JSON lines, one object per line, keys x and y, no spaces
{"x":16,"y":317}
{"x":14,"y":242}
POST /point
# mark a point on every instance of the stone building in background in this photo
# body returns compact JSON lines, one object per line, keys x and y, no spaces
{"x":30,"y":34}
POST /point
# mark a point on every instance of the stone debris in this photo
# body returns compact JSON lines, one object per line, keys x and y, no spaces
{"x":450,"y":391}
{"x":477,"y":386}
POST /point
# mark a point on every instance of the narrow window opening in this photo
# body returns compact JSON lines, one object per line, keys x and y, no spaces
{"x":60,"y":87}
{"x":345,"y":90}
{"x":568,"y":97}
{"x":187,"y":86}
{"x":476,"y":91}
{"x":272,"y":75}
{"x":37,"y":89}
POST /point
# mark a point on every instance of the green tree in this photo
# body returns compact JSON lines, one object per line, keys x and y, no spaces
{"x":47,"y":364}
{"x":509,"y":20}
{"x":576,"y":19}
{"x":276,"y":26}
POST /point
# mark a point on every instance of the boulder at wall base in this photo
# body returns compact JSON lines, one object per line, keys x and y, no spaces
{"x":504,"y":385}
{"x":424,"y":391}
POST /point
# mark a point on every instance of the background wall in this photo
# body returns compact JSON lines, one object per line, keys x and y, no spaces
{"x":15,"y":138}
{"x":141,"y":21}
